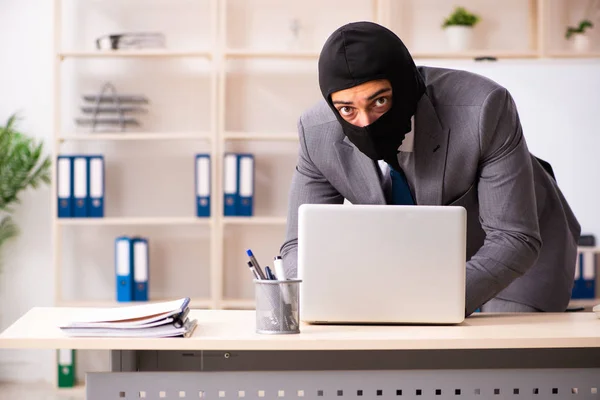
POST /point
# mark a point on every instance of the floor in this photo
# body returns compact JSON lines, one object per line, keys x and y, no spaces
{"x":39,"y":391}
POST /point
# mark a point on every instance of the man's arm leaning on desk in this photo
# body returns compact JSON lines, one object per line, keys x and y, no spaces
{"x":308,"y":186}
{"x":507,"y":205}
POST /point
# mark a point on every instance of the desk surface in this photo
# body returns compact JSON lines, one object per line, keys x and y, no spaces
{"x":234,"y":330}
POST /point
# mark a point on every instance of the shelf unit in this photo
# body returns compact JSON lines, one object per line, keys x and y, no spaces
{"x":540,"y":23}
{"x":260,"y":136}
{"x":310,"y":55}
{"x":63,"y":138}
{"x":254,"y":220}
{"x":120,"y":136}
{"x":125,"y":221}
{"x":134,"y":54}
{"x":219,"y":137}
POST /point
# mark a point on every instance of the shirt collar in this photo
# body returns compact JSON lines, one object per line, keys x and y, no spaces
{"x":408,"y":143}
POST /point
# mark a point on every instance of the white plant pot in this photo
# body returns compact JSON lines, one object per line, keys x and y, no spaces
{"x":459,"y":37}
{"x":581,"y":42}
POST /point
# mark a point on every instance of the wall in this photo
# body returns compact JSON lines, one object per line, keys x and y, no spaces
{"x":26,"y":83}
{"x":558,"y":102}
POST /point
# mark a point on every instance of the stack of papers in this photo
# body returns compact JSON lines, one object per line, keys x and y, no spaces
{"x":166,"y":319}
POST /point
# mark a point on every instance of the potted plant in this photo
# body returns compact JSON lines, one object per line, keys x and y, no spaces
{"x":22,"y":166}
{"x":459,"y":28}
{"x":581,"y":41}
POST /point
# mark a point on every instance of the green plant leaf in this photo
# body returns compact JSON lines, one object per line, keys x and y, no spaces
{"x":22,"y":164}
{"x":460,"y":16}
{"x":583,"y":25}
{"x":8,"y":229}
{"x":586,"y":23}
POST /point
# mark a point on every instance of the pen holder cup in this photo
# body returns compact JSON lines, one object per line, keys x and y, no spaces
{"x":277,"y":306}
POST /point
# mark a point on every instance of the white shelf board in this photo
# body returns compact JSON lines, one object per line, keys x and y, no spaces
{"x":254,"y":220}
{"x":474,"y":54}
{"x":260,"y":136}
{"x":566,"y":54}
{"x":134,"y":53}
{"x":135,"y":221}
{"x":281,"y":54}
{"x":244,"y":304}
{"x":588,"y":249}
{"x":588,"y":303}
{"x":122,"y":136}
{"x":194,"y":303}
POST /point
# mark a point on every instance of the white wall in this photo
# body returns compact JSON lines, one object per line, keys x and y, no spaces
{"x":26,"y":86}
{"x":558,"y":102}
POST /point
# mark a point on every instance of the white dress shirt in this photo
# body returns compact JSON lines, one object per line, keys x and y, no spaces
{"x":407,"y":146}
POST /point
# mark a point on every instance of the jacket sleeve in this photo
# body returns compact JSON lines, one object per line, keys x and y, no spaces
{"x":308,"y":186}
{"x":507,"y":204}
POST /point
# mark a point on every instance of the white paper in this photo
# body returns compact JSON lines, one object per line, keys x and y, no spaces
{"x":122,"y":325}
{"x":126,"y":314}
{"x":166,"y":330}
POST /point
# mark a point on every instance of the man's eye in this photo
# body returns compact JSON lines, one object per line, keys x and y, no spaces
{"x":346,"y":110}
{"x":382,"y":101}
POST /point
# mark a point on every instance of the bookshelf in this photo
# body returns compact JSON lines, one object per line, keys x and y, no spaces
{"x":117,"y":136}
{"x":133,"y":54}
{"x":123,"y":221}
{"x":260,"y":136}
{"x":248,"y":69}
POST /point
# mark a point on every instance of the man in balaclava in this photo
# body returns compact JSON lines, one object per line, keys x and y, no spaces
{"x":356,"y":56}
{"x":389,"y":132}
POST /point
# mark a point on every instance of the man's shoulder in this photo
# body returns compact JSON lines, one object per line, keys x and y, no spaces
{"x":459,"y":88}
{"x":318,"y":114}
{"x":319,"y":126}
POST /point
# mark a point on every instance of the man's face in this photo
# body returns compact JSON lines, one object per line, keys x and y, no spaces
{"x":363,"y":104}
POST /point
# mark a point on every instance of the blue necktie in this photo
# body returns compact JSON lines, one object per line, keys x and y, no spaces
{"x":400,"y":190}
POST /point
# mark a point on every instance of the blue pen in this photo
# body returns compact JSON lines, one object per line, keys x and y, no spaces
{"x":256,"y":266}
{"x":270,"y":274}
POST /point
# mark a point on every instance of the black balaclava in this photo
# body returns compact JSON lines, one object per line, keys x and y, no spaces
{"x":364,"y":51}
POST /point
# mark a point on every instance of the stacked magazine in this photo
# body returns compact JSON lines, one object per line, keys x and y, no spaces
{"x":155,"y":320}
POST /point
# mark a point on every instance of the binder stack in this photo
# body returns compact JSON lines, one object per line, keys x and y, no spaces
{"x":165,"y":319}
{"x":80,"y":184}
{"x":238,"y":184}
{"x":132,"y":268}
{"x":584,"y":286}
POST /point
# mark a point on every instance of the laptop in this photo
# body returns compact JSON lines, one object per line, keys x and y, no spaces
{"x":382,"y":264}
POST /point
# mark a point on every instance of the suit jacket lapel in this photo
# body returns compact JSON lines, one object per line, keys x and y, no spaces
{"x":431,"y":145}
{"x":361,"y":172}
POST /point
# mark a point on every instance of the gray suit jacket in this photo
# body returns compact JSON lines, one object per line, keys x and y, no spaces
{"x":469,"y":151}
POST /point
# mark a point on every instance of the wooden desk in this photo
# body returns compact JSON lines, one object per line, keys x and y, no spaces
{"x":554,"y":355}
